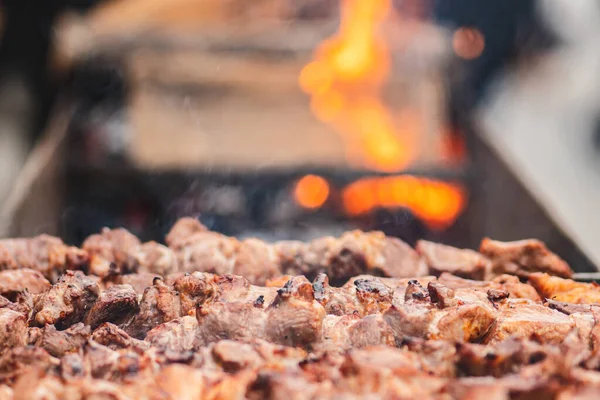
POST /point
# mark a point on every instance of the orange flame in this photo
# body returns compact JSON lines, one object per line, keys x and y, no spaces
{"x":311,"y":191}
{"x":345,"y":81}
{"x":436,"y":203}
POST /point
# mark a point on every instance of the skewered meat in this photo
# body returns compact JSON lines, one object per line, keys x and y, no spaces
{"x":157,"y":323}
{"x":354,"y":253}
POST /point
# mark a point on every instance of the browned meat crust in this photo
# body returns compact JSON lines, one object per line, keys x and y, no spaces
{"x":523,"y":258}
{"x":464,"y":263}
{"x":151,"y":321}
{"x":46,"y":254}
{"x":68,"y":301}
{"x":19,"y":280}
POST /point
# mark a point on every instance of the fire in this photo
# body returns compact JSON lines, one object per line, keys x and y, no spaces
{"x":311,"y":191}
{"x":345,"y":82}
{"x":436,"y":203}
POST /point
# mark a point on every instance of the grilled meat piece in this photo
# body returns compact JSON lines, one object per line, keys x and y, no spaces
{"x":292,"y":318}
{"x":157,"y":259}
{"x":362,"y":295}
{"x":117,"y":304}
{"x":68,"y":301}
{"x":59,"y":343}
{"x":525,"y":319}
{"x":160,"y":303}
{"x":523,"y":258}
{"x":179,"y":335}
{"x":175,"y":380}
{"x":23,"y":304}
{"x":198,"y":249}
{"x":16,"y":361}
{"x":139,"y":281}
{"x":497,"y":360}
{"x":461,"y":315}
{"x":354,"y":253}
{"x":18,"y":280}
{"x":459,"y":262}
{"x":45,"y":254}
{"x":72,"y":366}
{"x":13,"y":329}
{"x":506,"y":283}
{"x":112,"y":252}
{"x":199,"y":288}
{"x":113,"y":337}
{"x":565,"y":290}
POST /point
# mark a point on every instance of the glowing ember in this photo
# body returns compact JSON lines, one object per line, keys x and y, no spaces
{"x":436,"y":203}
{"x":345,"y":81}
{"x":311,"y":191}
{"x":468,"y":43}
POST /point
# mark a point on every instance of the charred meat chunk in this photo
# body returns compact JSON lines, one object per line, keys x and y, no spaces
{"x":117,"y":304}
{"x":68,"y":301}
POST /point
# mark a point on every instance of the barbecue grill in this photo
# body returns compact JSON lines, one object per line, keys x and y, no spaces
{"x":241,"y":168}
{"x":150,"y":131}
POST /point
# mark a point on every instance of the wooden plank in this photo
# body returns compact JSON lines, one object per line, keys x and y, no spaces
{"x":34,"y":204}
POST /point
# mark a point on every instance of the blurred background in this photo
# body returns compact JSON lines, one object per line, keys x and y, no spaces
{"x":448,"y":120}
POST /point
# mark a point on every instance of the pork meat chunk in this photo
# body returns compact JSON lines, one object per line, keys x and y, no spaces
{"x":115,"y":338}
{"x":294,"y":317}
{"x":18,"y":280}
{"x":13,"y":329}
{"x":523,"y":258}
{"x":160,"y":303}
{"x":525,"y":319}
{"x":460,"y":262}
{"x":565,"y":290}
{"x":68,"y":301}
{"x":441,"y":313}
{"x":356,"y":253}
{"x":58,"y":343}
{"x":46,"y":254}
{"x":112,"y":252}
{"x":117,"y":304}
{"x":178,"y":336}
